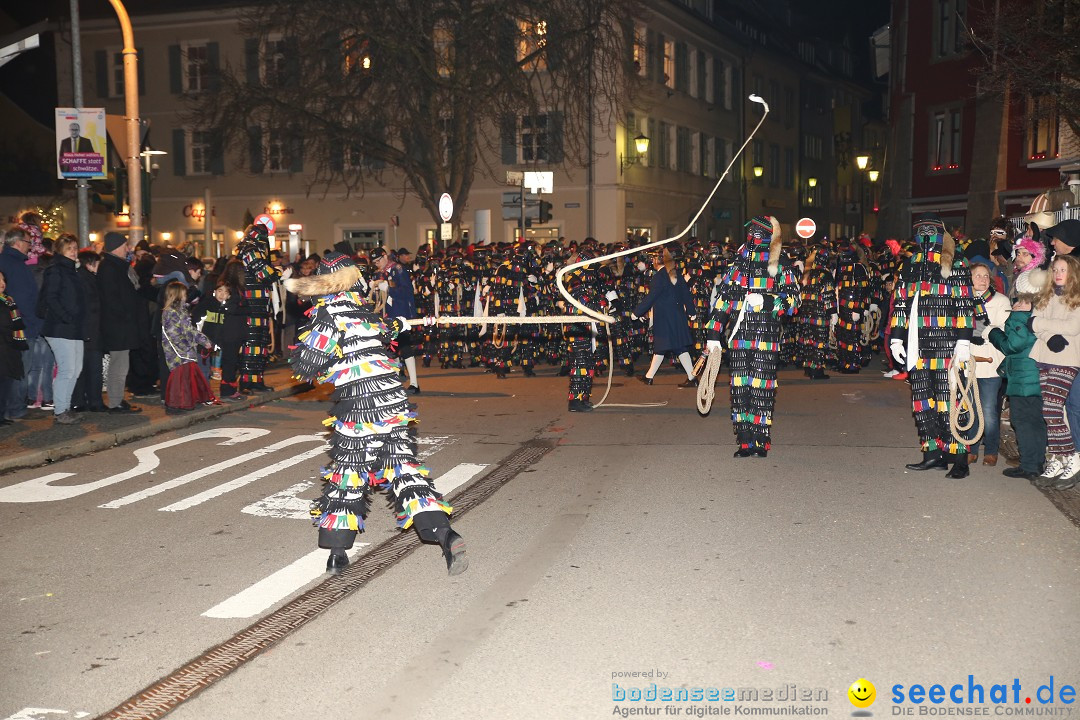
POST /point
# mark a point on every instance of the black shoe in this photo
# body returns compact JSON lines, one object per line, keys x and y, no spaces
{"x":427,"y":362}
{"x":742,"y":452}
{"x":958,"y":471}
{"x":454,"y":551}
{"x":931,"y":462}
{"x":1064,"y":483}
{"x":759,"y":452}
{"x":1017,"y":473}
{"x":646,"y":380}
{"x":5,"y":421}
{"x":97,"y":409}
{"x":579,"y":406}
{"x":413,"y":389}
{"x":689,"y":383}
{"x":818,"y":374}
{"x":564,"y":371}
{"x":500,"y":373}
{"x":124,"y":409}
{"x":529,"y":372}
{"x":629,"y":372}
{"x":337,"y":562}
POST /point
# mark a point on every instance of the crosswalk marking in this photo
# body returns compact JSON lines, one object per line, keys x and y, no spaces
{"x":32,"y":713}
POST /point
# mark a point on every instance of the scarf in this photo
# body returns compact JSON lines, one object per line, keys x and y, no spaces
{"x":18,"y":327}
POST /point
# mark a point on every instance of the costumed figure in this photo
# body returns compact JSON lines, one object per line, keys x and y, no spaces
{"x":817,"y":313}
{"x":514,"y":291}
{"x":758,"y":289}
{"x":254,"y":252}
{"x":932,"y":323}
{"x":583,"y":284}
{"x":853,"y":300}
{"x":618,"y":278}
{"x":373,"y":443}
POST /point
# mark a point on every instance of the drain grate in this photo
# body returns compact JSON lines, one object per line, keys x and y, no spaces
{"x":169,"y":692}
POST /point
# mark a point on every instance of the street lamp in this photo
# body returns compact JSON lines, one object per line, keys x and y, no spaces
{"x":873,"y":175}
{"x":641,"y":146}
{"x":150,"y":167}
{"x":811,"y":182}
{"x":862,"y":161}
{"x":759,"y":170}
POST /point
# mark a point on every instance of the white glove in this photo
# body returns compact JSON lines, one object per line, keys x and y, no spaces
{"x":532,"y":279}
{"x":383,"y":286}
{"x":714,"y":345}
{"x":430,"y":320}
{"x":755,"y":300}
{"x":855,"y":316}
{"x":287,"y":273}
{"x":896,"y":347}
{"x":962,"y":351}
{"x":874,"y":308}
{"x":634,"y":317}
{"x":612,"y":295}
{"x":404,"y":323}
{"x":389,"y":301}
{"x":833,"y":319}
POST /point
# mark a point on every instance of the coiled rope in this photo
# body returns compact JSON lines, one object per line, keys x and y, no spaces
{"x":964,"y":392}
{"x":706,"y":390}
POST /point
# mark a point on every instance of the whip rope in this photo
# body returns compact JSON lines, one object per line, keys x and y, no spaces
{"x":706,"y":391}
{"x":964,"y":392}
{"x":586,"y":311}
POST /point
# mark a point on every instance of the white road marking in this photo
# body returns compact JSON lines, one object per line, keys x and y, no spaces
{"x":456,"y":477}
{"x":431,"y":444}
{"x":284,"y":504}
{"x":240,"y":482}
{"x":278,"y":586}
{"x":203,"y":472}
{"x":39,"y":489}
{"x":40,"y":713}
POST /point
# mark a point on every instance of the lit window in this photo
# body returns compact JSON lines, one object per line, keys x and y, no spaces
{"x":533,"y":137}
{"x":669,"y":63}
{"x":532,"y":39}
{"x":355,"y":54}
{"x":641,"y":50}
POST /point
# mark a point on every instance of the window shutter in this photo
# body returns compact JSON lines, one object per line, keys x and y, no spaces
{"x":555,"y":137}
{"x":175,"y":84}
{"x":179,"y":153}
{"x":255,"y":149}
{"x":101,"y":72}
{"x":213,"y":59}
{"x":701,"y":74}
{"x":217,"y":153}
{"x":508,"y":137}
{"x":718,"y":82}
{"x":681,"y":67}
{"x":251,"y":60}
{"x":140,"y":74}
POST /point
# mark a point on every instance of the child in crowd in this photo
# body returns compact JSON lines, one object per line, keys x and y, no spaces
{"x":180,"y":341}
{"x":1022,"y":377}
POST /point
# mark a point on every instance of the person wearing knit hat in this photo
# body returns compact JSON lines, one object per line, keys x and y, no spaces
{"x":114,"y":240}
{"x":932,"y":324}
{"x":1065,"y":237}
{"x":373,"y":440}
{"x":757,"y":291}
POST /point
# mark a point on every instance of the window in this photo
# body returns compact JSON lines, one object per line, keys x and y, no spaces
{"x":533,"y":138}
{"x":950,"y":28}
{"x":275,"y":149}
{"x":532,"y":39}
{"x":355,"y":55}
{"x":946,"y":131}
{"x":115,"y":69}
{"x":195,"y":67}
{"x":669,"y":64}
{"x":663,"y":146}
{"x":759,"y":157}
{"x":709,"y":70}
{"x":722,"y":158}
{"x":683,"y":161}
{"x":641,"y":50}
{"x":789,"y":107}
{"x":960,"y":29}
{"x":198,"y":152}
{"x":774,"y":96}
{"x":444,"y":48}
{"x":274,"y":68}
{"x":774,"y":165}
{"x":707,"y":148}
{"x":1042,"y":129}
{"x":789,"y":168}
{"x":682,"y":67}
{"x":812,"y":146}
{"x":695,"y":72}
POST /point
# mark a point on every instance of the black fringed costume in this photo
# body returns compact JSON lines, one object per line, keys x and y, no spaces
{"x":932,"y":324}
{"x":754,"y":347}
{"x":817,"y":308}
{"x":853,"y":291}
{"x":584,"y":285}
{"x":373,"y":442}
{"x":259,"y":275}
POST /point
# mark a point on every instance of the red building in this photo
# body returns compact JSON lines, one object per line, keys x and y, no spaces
{"x":967,"y":155}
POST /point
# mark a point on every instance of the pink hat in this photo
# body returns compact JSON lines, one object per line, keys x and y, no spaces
{"x":1035,"y":248}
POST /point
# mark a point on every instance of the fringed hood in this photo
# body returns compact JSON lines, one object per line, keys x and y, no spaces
{"x":345,"y":278}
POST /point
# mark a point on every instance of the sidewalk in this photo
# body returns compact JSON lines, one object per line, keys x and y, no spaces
{"x":36,"y":439}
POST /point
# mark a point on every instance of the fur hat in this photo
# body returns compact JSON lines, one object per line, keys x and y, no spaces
{"x":336,"y":273}
{"x":1032,"y":246}
{"x":775,"y":246}
{"x":1031,"y":282}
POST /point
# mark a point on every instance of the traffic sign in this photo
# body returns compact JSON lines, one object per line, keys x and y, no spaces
{"x":539,"y":182}
{"x":514,"y":177}
{"x":446,"y":207}
{"x":805,"y":228}
{"x":266,"y":220}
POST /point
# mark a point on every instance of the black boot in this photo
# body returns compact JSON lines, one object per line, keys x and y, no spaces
{"x":742,"y":452}
{"x":337,"y":541}
{"x":337,"y":562}
{"x":579,"y":406}
{"x":960,"y":467}
{"x":758,"y":451}
{"x":529,"y":372}
{"x":453,"y":547}
{"x":564,"y":371}
{"x":818,"y":374}
{"x":931,"y":461}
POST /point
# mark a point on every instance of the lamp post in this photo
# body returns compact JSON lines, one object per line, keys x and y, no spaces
{"x":641,"y":147}
{"x":131,"y":108}
{"x":150,"y":168}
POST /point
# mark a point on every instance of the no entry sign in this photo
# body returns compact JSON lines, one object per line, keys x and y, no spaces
{"x":805,"y":228}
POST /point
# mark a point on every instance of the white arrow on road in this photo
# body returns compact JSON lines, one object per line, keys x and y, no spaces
{"x":40,"y":490}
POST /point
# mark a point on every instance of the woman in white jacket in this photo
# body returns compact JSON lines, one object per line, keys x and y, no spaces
{"x":991,"y":311}
{"x":1056,"y":323}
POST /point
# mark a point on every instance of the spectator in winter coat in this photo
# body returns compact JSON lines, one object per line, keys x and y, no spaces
{"x":119,"y":326}
{"x":226,"y":324}
{"x":62,"y":295}
{"x":87,"y":395}
{"x":12,"y":346}
{"x":23,"y":290}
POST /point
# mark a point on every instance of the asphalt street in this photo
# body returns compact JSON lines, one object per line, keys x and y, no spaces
{"x":631,"y":549}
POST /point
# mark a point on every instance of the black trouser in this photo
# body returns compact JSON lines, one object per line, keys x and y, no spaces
{"x":87,"y":391}
{"x":753,"y":395}
{"x":143,"y":372}
{"x":1026,"y":418}
{"x":230,"y":362}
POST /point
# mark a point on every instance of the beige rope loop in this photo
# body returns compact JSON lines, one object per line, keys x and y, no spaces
{"x":964,"y":393}
{"x":706,"y":391}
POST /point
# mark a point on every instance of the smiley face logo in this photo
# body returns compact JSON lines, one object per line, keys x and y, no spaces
{"x":862,"y":693}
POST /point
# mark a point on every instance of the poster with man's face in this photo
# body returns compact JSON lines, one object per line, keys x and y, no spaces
{"x":80,"y":143}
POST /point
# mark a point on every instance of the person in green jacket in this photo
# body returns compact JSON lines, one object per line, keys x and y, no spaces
{"x":1022,"y":378}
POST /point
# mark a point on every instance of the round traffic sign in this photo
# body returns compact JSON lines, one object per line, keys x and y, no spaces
{"x":266,"y":220}
{"x":446,"y":207}
{"x":805,"y":228}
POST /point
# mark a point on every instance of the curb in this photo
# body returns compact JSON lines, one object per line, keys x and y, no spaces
{"x":107,"y":439}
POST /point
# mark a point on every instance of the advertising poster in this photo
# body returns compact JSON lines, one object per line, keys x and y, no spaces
{"x":80,"y":143}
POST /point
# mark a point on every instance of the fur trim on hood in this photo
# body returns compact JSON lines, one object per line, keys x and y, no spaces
{"x":326,"y":284}
{"x":775,"y":247}
{"x":948,"y":254}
